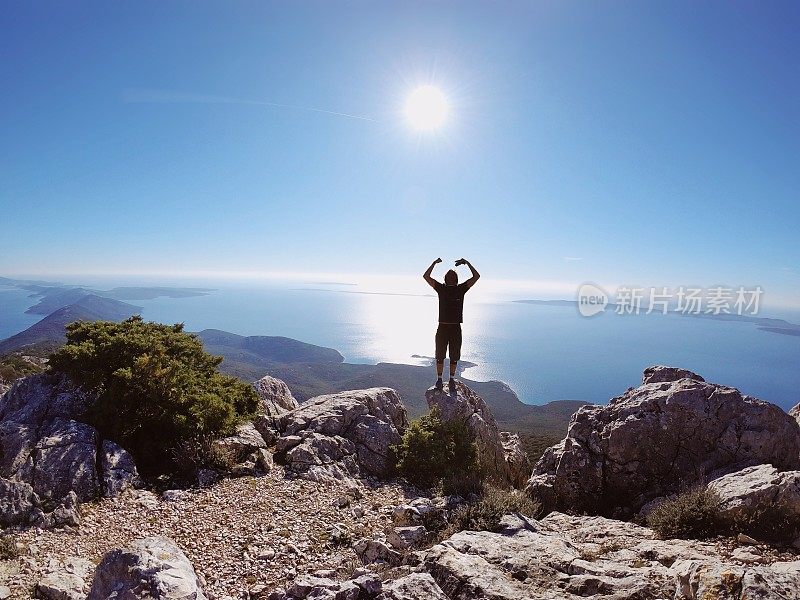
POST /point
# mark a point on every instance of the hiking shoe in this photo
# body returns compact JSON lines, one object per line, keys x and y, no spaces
{"x":452,"y":385}
{"x":439,"y":385}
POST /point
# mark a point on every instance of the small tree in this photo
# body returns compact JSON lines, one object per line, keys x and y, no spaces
{"x":434,"y":451}
{"x":155,"y":386}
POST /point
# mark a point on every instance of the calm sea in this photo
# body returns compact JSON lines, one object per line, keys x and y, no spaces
{"x":543,"y":352}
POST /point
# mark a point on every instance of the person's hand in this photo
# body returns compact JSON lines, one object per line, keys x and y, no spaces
{"x":461,"y":261}
{"x":437,"y":261}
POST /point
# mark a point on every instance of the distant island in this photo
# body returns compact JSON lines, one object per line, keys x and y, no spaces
{"x":762,"y":323}
{"x":54,"y":295}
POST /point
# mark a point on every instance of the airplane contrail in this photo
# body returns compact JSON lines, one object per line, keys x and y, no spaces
{"x":142,"y":96}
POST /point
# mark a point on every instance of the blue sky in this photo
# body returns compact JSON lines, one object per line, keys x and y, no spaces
{"x":635,"y":143}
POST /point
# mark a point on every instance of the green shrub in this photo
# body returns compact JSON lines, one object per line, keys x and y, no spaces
{"x":534,"y":445}
{"x":768,"y":523}
{"x":14,"y":366}
{"x":155,"y":387}
{"x":691,"y":514}
{"x":434,"y":451}
{"x":485,"y":514}
{"x":202,"y":452}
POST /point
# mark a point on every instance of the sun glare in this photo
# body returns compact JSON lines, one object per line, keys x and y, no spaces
{"x":427,"y":108}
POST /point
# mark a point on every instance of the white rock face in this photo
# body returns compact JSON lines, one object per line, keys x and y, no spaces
{"x":794,"y":412}
{"x":518,"y":461}
{"x":118,"y":469}
{"x":758,"y":487}
{"x":403,"y":538}
{"x":276,"y":397}
{"x":341,"y":435}
{"x":64,"y":579}
{"x":376,"y":551}
{"x":564,"y":557}
{"x":155,"y":566}
{"x":44,"y":443}
{"x":468,"y":407}
{"x":415,"y":586}
{"x":249,"y":450}
{"x":674,"y":429}
{"x":17,"y":502}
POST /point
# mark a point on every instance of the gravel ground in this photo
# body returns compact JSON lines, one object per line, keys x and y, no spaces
{"x":248,"y":536}
{"x":240,"y":534}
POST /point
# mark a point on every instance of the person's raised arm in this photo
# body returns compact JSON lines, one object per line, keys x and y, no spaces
{"x":475,"y":275}
{"x":427,"y":275}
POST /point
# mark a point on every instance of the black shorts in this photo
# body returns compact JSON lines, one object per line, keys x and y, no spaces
{"x":448,"y":335}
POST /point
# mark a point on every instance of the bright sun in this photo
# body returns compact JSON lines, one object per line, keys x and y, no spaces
{"x":427,"y":108}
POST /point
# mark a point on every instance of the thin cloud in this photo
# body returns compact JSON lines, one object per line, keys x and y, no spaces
{"x":145,"y":96}
{"x":573,"y":258}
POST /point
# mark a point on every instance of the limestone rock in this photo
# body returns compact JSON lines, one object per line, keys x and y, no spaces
{"x":33,"y":399}
{"x":403,"y":538}
{"x":67,"y":513}
{"x":175,"y":495}
{"x":794,"y":412}
{"x":518,"y":461}
{"x":405,"y":515}
{"x":563,"y":557}
{"x":245,"y":440}
{"x":672,"y":431}
{"x":17,"y":502}
{"x":468,"y":407}
{"x":414,"y":586}
{"x":276,"y":397}
{"x":758,"y":487}
{"x":663,"y":374}
{"x":154,"y":566}
{"x":118,"y":470}
{"x":64,"y":579}
{"x":375,"y":551}
{"x":319,"y":588}
{"x":64,"y":459}
{"x":697,"y":580}
{"x":344,"y":434}
{"x":249,"y":450}
{"x":44,"y":443}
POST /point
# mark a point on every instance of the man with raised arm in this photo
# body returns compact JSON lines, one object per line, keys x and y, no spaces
{"x":451,"y":315}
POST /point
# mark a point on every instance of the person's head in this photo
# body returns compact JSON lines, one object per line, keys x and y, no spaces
{"x":451,"y":278}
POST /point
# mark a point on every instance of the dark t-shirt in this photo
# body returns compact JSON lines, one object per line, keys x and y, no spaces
{"x":451,"y":302}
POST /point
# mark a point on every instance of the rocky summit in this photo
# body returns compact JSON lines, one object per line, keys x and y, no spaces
{"x":308,"y":509}
{"x":673,"y":431}
{"x":466,"y":406}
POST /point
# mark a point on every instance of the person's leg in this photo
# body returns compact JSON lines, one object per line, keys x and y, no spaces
{"x":441,"y":347}
{"x":455,"y":353}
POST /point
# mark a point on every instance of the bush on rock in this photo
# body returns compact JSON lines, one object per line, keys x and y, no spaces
{"x":434,"y":452}
{"x":691,"y":514}
{"x":486,"y":513}
{"x":155,"y":387}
